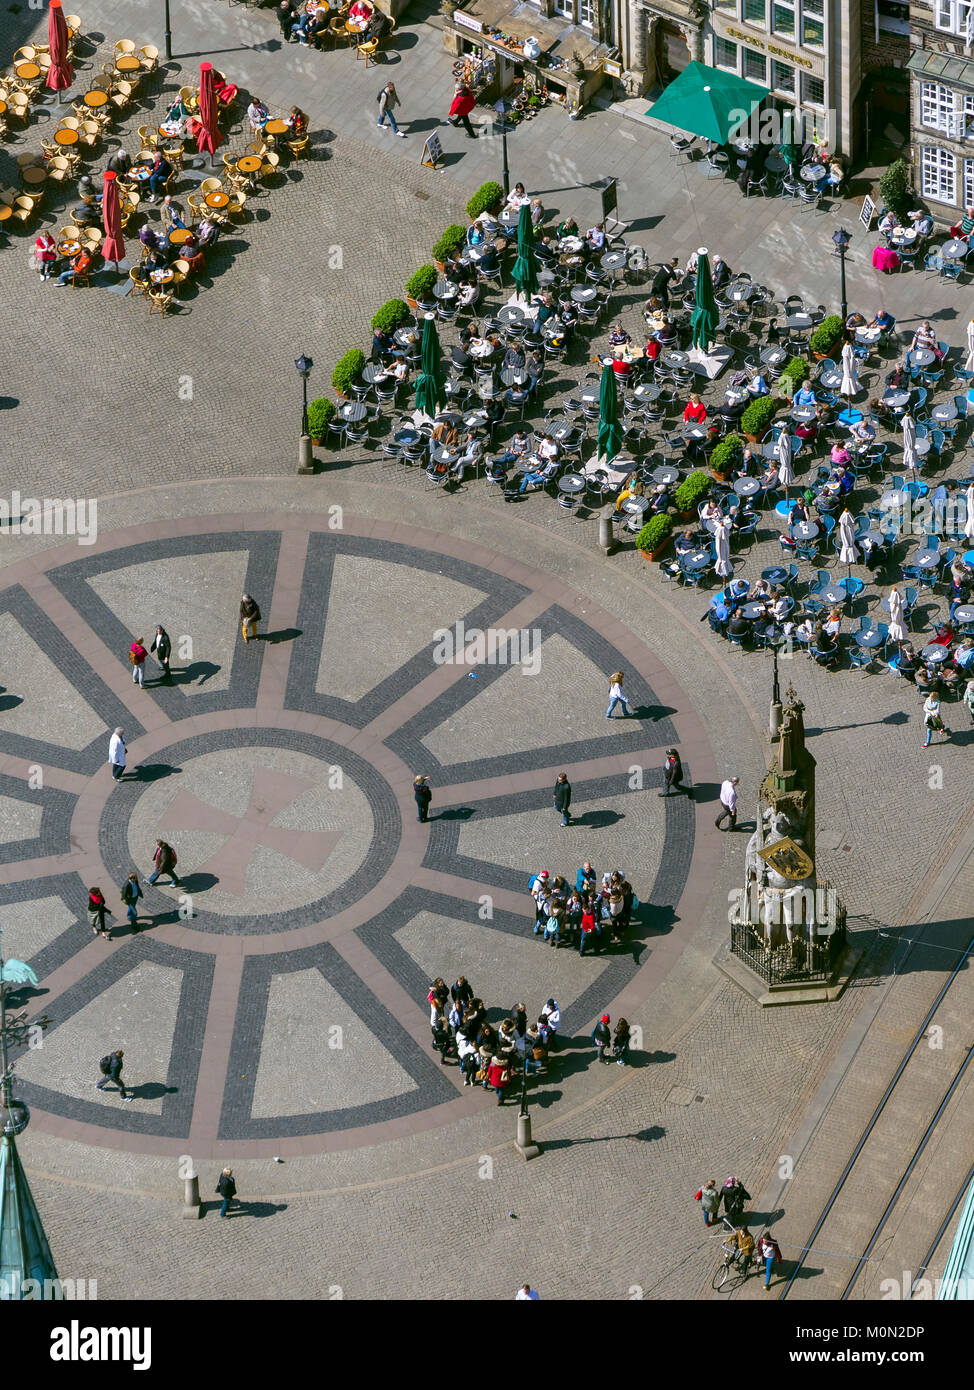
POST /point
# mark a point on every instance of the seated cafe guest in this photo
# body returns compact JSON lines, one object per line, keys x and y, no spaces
{"x":546,"y":250}
{"x":298,"y":121}
{"x":855,"y":321}
{"x":545,"y":309}
{"x":718,"y":272}
{"x":757,"y":386}
{"x":710,"y":511}
{"x":652,"y":350}
{"x":489,"y":263}
{"x":517,"y":198}
{"x":882,"y":319}
{"x":964,"y":655}
{"x":684,"y":542}
{"x":475,"y":233}
{"x":965,"y":226}
{"x":799,"y":512}
{"x":148,"y":237}
{"x":395,"y":370}
{"x":804,"y":395}
{"x":659,"y":499}
{"x":119,"y":163}
{"x":378,"y":24}
{"x":922,"y":223}
{"x":79,"y":265}
{"x":862,"y":432}
{"x":207,"y":233}
{"x":769,"y":477}
{"x":194,"y":257}
{"x":595,"y":236}
{"x":172,"y":214}
{"x":667,"y":333}
{"x":840,"y":454}
{"x":695,"y":412}
{"x":718,"y":613}
{"x":161,"y":171}
{"x":619,"y":337}
{"x":445,"y":434}
{"x":468,"y":296}
{"x":382,"y":345}
{"x":737,"y":625}
{"x":257,"y":115}
{"x":620,"y":366}
{"x":925,"y":337}
{"x":537,"y":213}
{"x":807,"y":429}
{"x":888,"y":223}
{"x":569,"y":227}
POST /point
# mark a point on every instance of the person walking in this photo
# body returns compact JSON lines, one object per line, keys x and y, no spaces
{"x":110,"y":1067}
{"x":461,"y":106}
{"x":131,"y":892}
{"x":249,"y":617}
{"x":709,"y":1199}
{"x":745,"y":1244}
{"x":137,"y":656}
{"x":602,"y":1036}
{"x":162,"y":647}
{"x":423,"y":794}
{"x":733,"y":1195}
{"x":728,"y":800}
{"x":388,"y":100}
{"x":620,"y":1043}
{"x":97,"y":909}
{"x":498,"y":1075}
{"x":227,"y":1189}
{"x":673,"y":773}
{"x":617,"y":695}
{"x":116,"y":754}
{"x":563,"y":798}
{"x":932,"y":718}
{"x":165,"y":862}
{"x":768,"y":1252}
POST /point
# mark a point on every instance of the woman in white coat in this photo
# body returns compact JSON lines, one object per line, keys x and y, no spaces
{"x":116,"y":754}
{"x":850,"y":381}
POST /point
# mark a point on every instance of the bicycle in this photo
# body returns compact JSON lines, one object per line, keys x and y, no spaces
{"x":733,"y":1259}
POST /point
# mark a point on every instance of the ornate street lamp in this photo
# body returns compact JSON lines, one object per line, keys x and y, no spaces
{"x":305,"y":459}
{"x":841,"y":238}
{"x":168,"y":34}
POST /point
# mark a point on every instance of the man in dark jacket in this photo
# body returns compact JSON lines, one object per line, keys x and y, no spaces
{"x":164,"y":862}
{"x":249,"y":617}
{"x":563,"y":797}
{"x":660,"y":286}
{"x":111,"y":1070}
{"x":734,"y":1195}
{"x":162,"y":647}
{"x":227,"y":1189}
{"x":424,"y":795}
{"x":601,"y":1036}
{"x":672,"y":772}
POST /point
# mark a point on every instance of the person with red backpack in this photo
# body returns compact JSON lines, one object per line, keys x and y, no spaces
{"x":768,"y":1251}
{"x":709,"y":1199}
{"x":165,"y":862}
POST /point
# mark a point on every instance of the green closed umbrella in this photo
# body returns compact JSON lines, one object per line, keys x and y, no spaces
{"x":703,"y":320}
{"x":610,"y":430}
{"x":430,"y":395}
{"x":525,"y":272}
{"x":705,"y":101}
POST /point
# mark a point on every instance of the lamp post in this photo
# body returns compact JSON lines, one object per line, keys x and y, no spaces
{"x":502,"y":122}
{"x":305,"y":457}
{"x":841,"y":238}
{"x":774,"y":721}
{"x":168,"y":35}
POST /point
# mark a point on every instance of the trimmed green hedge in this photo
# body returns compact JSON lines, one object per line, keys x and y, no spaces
{"x":727,"y":455}
{"x":320,"y":412}
{"x":655,"y":532}
{"x":692,"y":491}
{"x":758,"y":416}
{"x":487,"y":196}
{"x":347,"y":370}
{"x":827,"y":334}
{"x":391,"y":316}
{"x":420,"y":284}
{"x":451,"y":240}
{"x":796,"y":370}
{"x":895,"y":186}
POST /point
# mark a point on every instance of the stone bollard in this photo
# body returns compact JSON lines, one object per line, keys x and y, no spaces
{"x":306,"y":462}
{"x":523,"y":1143}
{"x":192,"y":1207}
{"x":607,"y":536}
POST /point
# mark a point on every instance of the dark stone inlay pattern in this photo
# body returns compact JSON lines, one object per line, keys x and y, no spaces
{"x":387,"y":829}
{"x":407,"y":741}
{"x":501,"y":595}
{"x":98,"y":696}
{"x":237,"y":1120}
{"x":73,"y":892}
{"x":184,"y":1058}
{"x":176,"y":702}
{"x":54,"y":835}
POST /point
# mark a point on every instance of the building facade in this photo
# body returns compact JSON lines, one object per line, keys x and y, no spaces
{"x":941,"y":69}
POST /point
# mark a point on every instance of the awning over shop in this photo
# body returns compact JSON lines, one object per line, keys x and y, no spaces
{"x":946,"y":67}
{"x":707,"y":102}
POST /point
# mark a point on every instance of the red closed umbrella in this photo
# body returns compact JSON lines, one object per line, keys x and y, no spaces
{"x":60,"y":74}
{"x":463,"y":103}
{"x":208,"y":136}
{"x":112,"y":248}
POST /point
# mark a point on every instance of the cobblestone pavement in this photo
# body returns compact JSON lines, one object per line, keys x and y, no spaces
{"x":718,"y":1087}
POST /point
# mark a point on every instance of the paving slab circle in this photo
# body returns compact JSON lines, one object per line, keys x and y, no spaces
{"x":274,"y":1000}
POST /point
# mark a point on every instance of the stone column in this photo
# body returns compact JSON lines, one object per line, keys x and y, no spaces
{"x":693,"y":33}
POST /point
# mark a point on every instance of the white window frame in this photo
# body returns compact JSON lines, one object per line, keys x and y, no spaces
{"x":806,"y":99}
{"x":937,"y":106}
{"x":566,"y":8}
{"x":758,"y":23}
{"x":727,"y":67}
{"x":792,"y":5}
{"x":586,"y":13}
{"x":938,"y":174}
{"x":952,"y":16}
{"x":791,"y":91}
{"x":968,"y":172}
{"x":761,"y":81}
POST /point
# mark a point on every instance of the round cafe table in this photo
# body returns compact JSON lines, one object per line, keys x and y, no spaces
{"x":276,"y":127}
{"x":666,"y":474}
{"x":868,"y":638}
{"x":66,"y":137}
{"x":95,"y":99}
{"x":893,"y":501}
{"x":675,"y":359}
{"x":510,"y":217}
{"x":943,"y":413}
{"x":613,"y":260}
{"x":161,"y":277}
{"x":546,"y":277}
{"x":572,"y":484}
{"x":742,"y":290}
{"x":34,"y":175}
{"x":903,"y":236}
{"x":582,"y":294}
{"x":27,"y":71}
{"x":964,"y":614}
{"x":127,"y":63}
{"x":897,"y":400}
{"x":798,"y":323}
{"x":407,"y":436}
{"x":747,"y":487}
{"x":696,"y":560}
{"x":804,"y":414}
{"x":356,"y":26}
{"x":776,"y":574}
{"x":510,"y":314}
{"x":5,"y":212}
{"x":510,"y":376}
{"x":353,"y":410}
{"x":753,"y":611}
{"x":635,"y":506}
{"x":445,"y":289}
{"x":773,"y":356}
{"x":68,"y":248}
{"x":140,"y":172}
{"x":217,"y":199}
{"x":775,"y":164}
{"x":248,"y":163}
{"x":935,"y":654}
{"x":832,"y":380}
{"x":179,"y":236}
{"x":803,"y":531}
{"x":647,"y":392}
{"x":694,"y":432}
{"x":813,"y":173}
{"x":590,"y":395}
{"x":571,"y":244}
{"x":173,"y":130}
{"x":923,"y":357}
{"x":926,"y":559}
{"x":868,"y":335}
{"x":955,"y":249}
{"x":833,"y":594}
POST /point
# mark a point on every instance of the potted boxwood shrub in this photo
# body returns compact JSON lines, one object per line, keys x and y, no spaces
{"x":726,"y":455}
{"x":894,"y":188}
{"x":392,"y":315}
{"x":792,"y":375}
{"x":420,"y":284}
{"x":486,"y":198}
{"x":757,"y":417}
{"x":825,"y":337}
{"x":691,"y":493}
{"x":655,"y":536}
{"x":320,"y":412}
{"x":347,"y":370}
{"x":451,"y":240}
